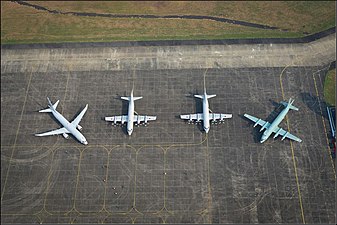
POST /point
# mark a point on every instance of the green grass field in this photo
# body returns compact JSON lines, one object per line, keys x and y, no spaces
{"x":23,"y":24}
{"x":330,"y":88}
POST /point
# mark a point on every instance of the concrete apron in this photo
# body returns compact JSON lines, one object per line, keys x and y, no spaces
{"x":315,"y":53}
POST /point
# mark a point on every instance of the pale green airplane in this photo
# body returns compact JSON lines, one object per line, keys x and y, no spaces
{"x":273,"y":127}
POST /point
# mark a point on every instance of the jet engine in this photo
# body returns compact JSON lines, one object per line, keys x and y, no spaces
{"x":79,"y":127}
{"x":66,"y":136}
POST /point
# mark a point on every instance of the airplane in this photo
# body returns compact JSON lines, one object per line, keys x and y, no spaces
{"x":67,"y":126}
{"x":273,"y":127}
{"x":206,"y":116}
{"x":131,"y":117}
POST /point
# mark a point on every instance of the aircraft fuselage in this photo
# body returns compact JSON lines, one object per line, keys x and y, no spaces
{"x":205,"y":109}
{"x":69,"y":127}
{"x":274,"y":124}
{"x":131,"y":114}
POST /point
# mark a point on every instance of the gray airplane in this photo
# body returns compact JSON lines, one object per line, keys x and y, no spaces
{"x":273,"y":127}
{"x":67,"y":126}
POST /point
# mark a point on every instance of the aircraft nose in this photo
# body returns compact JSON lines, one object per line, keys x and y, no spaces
{"x":206,"y":130}
{"x":129,"y":132}
{"x":85,"y":142}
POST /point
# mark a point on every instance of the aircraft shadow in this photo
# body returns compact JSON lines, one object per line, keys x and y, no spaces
{"x":313,"y":103}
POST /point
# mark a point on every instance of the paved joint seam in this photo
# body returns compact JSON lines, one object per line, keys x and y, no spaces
{"x":17,"y":132}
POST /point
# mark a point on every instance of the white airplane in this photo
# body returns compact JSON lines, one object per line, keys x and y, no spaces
{"x":67,"y":126}
{"x":206,"y":116}
{"x":131,"y":117}
{"x":273,"y":127}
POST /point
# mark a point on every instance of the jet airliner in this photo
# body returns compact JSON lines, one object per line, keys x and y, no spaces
{"x":68,"y":128}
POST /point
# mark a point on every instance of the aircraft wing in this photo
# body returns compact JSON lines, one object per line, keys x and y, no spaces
{"x":115,"y":119}
{"x":258,"y":121}
{"x":54,"y":132}
{"x":77,"y":120}
{"x":285,"y":134}
{"x":277,"y":130}
{"x":219,"y":116}
{"x":197,"y":116}
{"x":139,"y":118}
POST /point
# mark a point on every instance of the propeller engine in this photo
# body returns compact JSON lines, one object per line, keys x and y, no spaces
{"x":145,"y":121}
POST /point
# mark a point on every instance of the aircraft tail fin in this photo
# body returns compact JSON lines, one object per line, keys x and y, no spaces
{"x":290,"y":104}
{"x":50,"y":106}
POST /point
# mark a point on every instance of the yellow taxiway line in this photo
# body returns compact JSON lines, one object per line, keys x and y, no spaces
{"x":293,"y":155}
{"x":17,"y":133}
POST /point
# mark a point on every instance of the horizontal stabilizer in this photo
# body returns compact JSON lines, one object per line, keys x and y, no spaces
{"x":202,"y":97}
{"x":137,"y":98}
{"x":293,"y":107}
{"x":210,"y":96}
{"x":290,"y":104}
{"x":49,"y":109}
{"x":126,"y":98}
{"x":129,"y":98}
{"x":45,"y":110}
